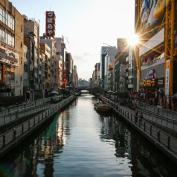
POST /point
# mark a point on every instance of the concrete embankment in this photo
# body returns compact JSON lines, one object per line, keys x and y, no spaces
{"x":12,"y":137}
{"x":161,"y":138}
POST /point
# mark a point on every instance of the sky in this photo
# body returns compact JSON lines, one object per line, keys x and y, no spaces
{"x":85,"y":24}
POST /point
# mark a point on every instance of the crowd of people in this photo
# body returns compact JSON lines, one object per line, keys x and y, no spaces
{"x":154,"y":97}
{"x":151,"y":97}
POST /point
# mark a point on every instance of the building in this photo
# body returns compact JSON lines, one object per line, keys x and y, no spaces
{"x":107,"y":56}
{"x":120,"y":80}
{"x":11,"y":50}
{"x":75,"y":77}
{"x":31,"y":40}
{"x":60,"y":57}
{"x":109,"y":61}
{"x":132,"y":81}
{"x":26,"y":80}
{"x":54,"y":63}
{"x":45,"y":53}
{"x":96,"y":75}
{"x":156,"y":56}
{"x":69,"y":69}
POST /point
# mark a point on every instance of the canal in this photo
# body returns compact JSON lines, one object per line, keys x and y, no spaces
{"x":79,"y":142}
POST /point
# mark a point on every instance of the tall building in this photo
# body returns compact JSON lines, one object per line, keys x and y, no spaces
{"x":31,"y":40}
{"x":75,"y":77}
{"x":107,"y":56}
{"x":60,"y":57}
{"x":132,"y":81}
{"x":11,"y":50}
{"x":121,"y":66}
{"x":109,"y":60}
{"x":53,"y":61}
{"x":97,"y":75}
{"x":156,"y":57}
{"x":45,"y":53}
{"x":69,"y":68}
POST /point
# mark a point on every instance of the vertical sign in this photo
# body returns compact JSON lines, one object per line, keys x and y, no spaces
{"x":50,"y":23}
{"x":167,"y":78}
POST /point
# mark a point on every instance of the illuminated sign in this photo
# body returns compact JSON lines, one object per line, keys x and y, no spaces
{"x":149,"y":83}
{"x":50,"y":24}
{"x":167,"y":78}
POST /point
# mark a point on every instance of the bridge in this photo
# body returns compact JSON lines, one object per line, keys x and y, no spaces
{"x":80,"y":88}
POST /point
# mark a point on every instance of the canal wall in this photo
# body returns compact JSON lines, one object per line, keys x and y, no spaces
{"x":156,"y":134}
{"x":12,"y":137}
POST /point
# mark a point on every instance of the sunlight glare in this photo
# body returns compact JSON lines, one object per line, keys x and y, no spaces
{"x":133,"y":40}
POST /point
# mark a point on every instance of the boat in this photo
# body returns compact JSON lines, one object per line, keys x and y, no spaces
{"x":102,"y":108}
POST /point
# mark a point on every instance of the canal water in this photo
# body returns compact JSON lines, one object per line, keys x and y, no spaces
{"x":81,"y":143}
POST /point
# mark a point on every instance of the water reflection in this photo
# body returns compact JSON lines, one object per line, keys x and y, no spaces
{"x":149,"y":161}
{"x":115,"y":132}
{"x":81,"y":143}
{"x":52,"y":142}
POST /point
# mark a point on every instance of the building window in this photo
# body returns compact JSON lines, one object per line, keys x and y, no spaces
{"x":2,"y":15}
{"x":7,"y":19}
{"x":7,"y":38}
{"x":2,"y":36}
{"x":10,"y":22}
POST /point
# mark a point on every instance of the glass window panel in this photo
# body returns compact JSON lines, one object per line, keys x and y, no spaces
{"x":1,"y":14}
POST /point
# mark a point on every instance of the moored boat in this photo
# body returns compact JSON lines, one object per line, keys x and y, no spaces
{"x":102,"y":108}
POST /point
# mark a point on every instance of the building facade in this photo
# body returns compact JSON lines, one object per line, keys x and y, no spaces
{"x":75,"y":77}
{"x":31,"y":40}
{"x":60,"y":57}
{"x":11,"y":50}
{"x":53,"y":61}
{"x":121,"y":66}
{"x":45,"y":53}
{"x":107,"y":56}
{"x":156,"y":56}
{"x":69,"y":69}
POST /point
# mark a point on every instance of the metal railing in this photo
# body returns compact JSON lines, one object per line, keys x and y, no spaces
{"x":8,"y":138}
{"x":161,"y":137}
{"x":24,"y":106}
{"x":163,"y":117}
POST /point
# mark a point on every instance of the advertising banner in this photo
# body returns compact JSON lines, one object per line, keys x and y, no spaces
{"x":152,"y":16}
{"x":50,"y":24}
{"x":167,"y":78}
{"x":9,"y":57}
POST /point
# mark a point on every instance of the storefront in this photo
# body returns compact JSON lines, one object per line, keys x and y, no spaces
{"x":153,"y":77}
{"x":8,"y":62}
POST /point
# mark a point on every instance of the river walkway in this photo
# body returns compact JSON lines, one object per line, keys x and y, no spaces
{"x":26,"y":121}
{"x":159,"y":130}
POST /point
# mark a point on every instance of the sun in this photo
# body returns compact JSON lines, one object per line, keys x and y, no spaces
{"x":133,"y":40}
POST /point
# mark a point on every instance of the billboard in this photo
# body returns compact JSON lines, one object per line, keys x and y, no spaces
{"x":9,"y":57}
{"x":152,"y":16}
{"x":50,"y":23}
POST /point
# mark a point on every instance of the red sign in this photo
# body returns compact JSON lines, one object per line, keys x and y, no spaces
{"x":50,"y":23}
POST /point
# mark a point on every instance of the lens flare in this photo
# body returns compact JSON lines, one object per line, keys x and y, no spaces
{"x":133,"y":40}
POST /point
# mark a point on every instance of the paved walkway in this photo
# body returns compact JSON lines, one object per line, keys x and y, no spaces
{"x":164,"y":118}
{"x":14,"y":135}
{"x":23,"y":107}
